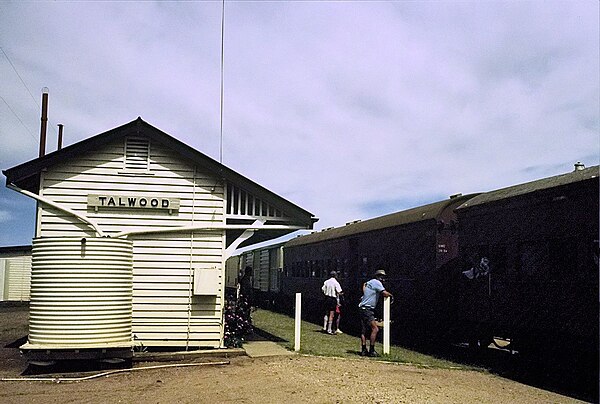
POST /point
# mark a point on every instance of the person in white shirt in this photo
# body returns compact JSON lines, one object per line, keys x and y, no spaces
{"x":331,"y":289}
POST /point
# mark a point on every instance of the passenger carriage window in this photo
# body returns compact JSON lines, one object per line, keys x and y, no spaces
{"x":346,"y":266}
{"x":591,"y":263}
{"x":562,"y":256}
{"x":497,"y":259}
{"x":533,"y":258}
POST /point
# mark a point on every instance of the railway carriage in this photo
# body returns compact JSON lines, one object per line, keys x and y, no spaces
{"x":414,"y":247}
{"x":519,"y":263}
{"x":540,"y":289}
{"x":267,"y":267}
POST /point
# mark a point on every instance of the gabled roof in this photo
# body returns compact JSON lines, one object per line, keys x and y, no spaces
{"x":26,"y":175}
{"x":533,"y":186}
{"x":431,"y":211}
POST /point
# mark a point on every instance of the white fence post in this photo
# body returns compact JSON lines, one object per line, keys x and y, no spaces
{"x":386,"y":325}
{"x":297,"y":321}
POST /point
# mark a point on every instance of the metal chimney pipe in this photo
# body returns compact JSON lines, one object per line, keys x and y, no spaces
{"x":60,"y":135}
{"x":44,"y":121}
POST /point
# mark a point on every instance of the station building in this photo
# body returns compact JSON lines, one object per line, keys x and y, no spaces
{"x":133,"y":230}
{"x":15,"y":273}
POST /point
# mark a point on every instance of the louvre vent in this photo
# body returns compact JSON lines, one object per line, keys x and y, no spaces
{"x":243,"y":204}
{"x":137,"y":153}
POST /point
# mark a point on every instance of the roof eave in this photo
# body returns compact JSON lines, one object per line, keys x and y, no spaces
{"x":26,"y":175}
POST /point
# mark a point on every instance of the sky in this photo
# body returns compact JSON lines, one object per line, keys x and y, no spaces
{"x":349,"y":109}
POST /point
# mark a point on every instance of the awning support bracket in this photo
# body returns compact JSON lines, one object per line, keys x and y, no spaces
{"x":243,"y":237}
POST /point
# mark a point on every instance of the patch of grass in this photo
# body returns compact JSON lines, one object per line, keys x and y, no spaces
{"x":314,"y":342}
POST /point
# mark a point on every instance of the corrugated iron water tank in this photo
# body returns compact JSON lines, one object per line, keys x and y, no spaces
{"x":81,"y":292}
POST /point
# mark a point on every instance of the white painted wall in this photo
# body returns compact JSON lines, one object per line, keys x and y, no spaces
{"x":165,"y":312}
{"x":2,"y":280}
{"x":15,"y":277}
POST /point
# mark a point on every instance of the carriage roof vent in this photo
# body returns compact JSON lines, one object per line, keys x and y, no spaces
{"x":579,"y":166}
{"x":352,"y":222}
{"x":455,"y":195}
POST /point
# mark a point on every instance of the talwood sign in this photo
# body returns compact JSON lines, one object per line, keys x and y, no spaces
{"x":132,"y":202}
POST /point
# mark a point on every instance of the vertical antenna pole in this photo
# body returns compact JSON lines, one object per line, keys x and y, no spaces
{"x":222,"y":62}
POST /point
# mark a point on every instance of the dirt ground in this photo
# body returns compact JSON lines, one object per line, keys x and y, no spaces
{"x":283,"y":379}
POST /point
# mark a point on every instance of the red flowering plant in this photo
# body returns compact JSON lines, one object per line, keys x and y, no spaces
{"x":238,"y":323}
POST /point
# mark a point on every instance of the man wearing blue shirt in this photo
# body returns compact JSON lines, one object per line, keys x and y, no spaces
{"x":371,"y":292}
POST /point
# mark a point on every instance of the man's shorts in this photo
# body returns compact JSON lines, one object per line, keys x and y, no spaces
{"x":367,"y":315}
{"x":330,"y":303}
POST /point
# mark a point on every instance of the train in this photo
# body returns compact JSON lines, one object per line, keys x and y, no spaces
{"x":518,"y":264}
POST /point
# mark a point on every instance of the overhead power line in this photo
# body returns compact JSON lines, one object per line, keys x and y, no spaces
{"x":24,"y":85}
{"x":20,"y":120}
{"x":20,"y":78}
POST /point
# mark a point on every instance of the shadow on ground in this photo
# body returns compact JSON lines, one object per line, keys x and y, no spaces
{"x":262,"y":335}
{"x":543,"y":373}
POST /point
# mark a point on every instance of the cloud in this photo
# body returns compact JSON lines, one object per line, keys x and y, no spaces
{"x":4,"y":216}
{"x":349,"y":109}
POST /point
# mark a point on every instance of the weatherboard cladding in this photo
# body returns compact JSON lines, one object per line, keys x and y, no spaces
{"x":16,"y":267}
{"x":195,"y":188}
{"x":163,"y":263}
{"x":26,"y":175}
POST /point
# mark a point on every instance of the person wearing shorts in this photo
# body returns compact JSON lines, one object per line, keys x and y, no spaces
{"x":331,"y":289}
{"x":338,"y":315}
{"x":371,"y":292}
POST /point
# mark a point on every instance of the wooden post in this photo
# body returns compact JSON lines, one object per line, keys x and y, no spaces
{"x":297,"y":321}
{"x":386,"y":325}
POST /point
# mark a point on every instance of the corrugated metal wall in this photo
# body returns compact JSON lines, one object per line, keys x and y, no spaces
{"x":263,"y":271}
{"x":17,"y":277}
{"x":163,"y":263}
{"x":275,"y":267}
{"x":81,"y":292}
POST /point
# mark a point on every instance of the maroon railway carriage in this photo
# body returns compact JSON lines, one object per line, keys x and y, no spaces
{"x":540,"y":240}
{"x":413,"y":247}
